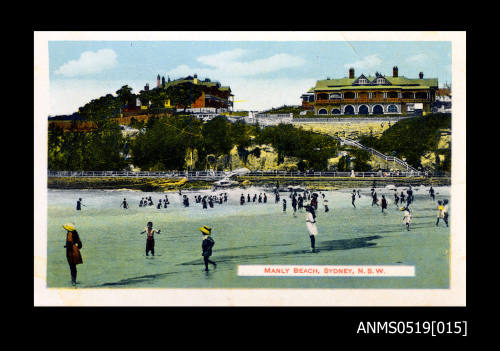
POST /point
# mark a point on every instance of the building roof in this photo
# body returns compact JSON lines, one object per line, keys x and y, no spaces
{"x":396,"y":82}
{"x":190,"y":79}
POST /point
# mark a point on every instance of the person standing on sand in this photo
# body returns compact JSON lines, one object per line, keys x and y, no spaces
{"x":79,"y":204}
{"x":150,"y":239}
{"x":242,"y":199}
{"x":265,"y":198}
{"x":124,"y":204}
{"x":353,"y":198}
{"x":359,"y":195}
{"x":73,"y":247}
{"x":311,"y":226}
{"x":248,"y":197}
{"x":206,"y":246}
{"x":407,"y":217}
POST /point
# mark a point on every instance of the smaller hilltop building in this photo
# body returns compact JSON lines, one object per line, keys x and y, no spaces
{"x":214,"y":96}
{"x":371,"y":95}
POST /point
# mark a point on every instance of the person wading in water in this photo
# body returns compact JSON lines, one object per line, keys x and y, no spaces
{"x":384,"y":203}
{"x":124,"y":204}
{"x":206,"y":246}
{"x":73,"y":246}
{"x":150,"y":239}
{"x":79,"y":204}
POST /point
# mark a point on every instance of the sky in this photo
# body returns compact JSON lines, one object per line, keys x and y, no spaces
{"x":261,"y":74}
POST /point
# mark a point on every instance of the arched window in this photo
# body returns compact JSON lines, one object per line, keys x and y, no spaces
{"x":363,"y":110}
{"x":335,"y":111}
{"x":335,"y":96}
{"x":322,"y":111}
{"x":392,"y":109}
{"x":378,"y":110}
{"x":380,"y":81}
{"x":348,"y":110}
{"x":362,"y":81}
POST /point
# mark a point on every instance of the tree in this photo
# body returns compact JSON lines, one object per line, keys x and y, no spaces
{"x":184,"y":94}
{"x":165,"y":142}
{"x":124,"y":95}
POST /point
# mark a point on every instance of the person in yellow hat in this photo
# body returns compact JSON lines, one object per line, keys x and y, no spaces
{"x":73,"y":246}
{"x":440,"y":212}
{"x":206,"y":246}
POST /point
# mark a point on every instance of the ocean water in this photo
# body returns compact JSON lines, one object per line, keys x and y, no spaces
{"x":114,"y":250}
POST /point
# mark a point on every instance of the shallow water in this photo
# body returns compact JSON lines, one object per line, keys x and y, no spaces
{"x":114,"y":251}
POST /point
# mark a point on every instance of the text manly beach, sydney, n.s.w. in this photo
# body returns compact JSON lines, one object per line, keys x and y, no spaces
{"x":327,"y":270}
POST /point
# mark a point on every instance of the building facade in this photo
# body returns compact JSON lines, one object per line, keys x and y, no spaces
{"x":214,"y":95}
{"x":371,"y":95}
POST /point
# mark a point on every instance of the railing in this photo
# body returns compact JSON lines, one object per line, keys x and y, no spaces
{"x":348,"y":119}
{"x":379,"y":174}
{"x":209,"y":175}
{"x":377,"y":153}
{"x":167,"y":174}
{"x":368,"y":100}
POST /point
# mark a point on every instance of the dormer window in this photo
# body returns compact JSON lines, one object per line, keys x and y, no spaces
{"x":380,"y":81}
{"x":362,"y":81}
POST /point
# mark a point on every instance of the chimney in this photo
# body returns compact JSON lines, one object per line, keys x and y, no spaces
{"x":351,"y":73}
{"x":421,"y":75}
{"x":395,"y":71}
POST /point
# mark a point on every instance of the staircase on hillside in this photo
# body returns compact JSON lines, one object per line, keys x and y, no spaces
{"x":376,"y":153}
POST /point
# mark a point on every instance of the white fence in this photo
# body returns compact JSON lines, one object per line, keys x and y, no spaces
{"x":208,"y":175}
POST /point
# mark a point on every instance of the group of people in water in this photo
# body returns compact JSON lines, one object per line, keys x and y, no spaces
{"x":307,"y":200}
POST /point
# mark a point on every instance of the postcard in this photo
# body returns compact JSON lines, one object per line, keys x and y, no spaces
{"x":249,"y":169}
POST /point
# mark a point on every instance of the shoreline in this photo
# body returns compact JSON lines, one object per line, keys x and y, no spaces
{"x":174,"y":184}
